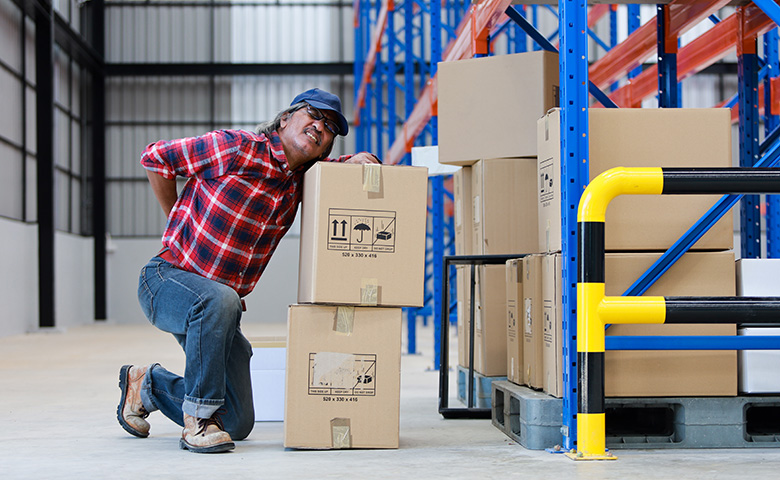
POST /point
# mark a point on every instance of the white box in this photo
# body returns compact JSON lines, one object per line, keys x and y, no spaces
{"x":267,"y":370}
{"x":758,"y":368}
{"x":757,"y":277}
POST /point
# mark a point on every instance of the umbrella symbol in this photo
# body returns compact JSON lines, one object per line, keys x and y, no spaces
{"x":362,"y":227}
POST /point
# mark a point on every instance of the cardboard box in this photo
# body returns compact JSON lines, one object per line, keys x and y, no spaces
{"x":658,"y":373}
{"x":502,"y":116}
{"x":463,"y":215}
{"x":533,"y":354}
{"x":267,"y":370}
{"x":363,"y":235}
{"x":463,"y":279}
{"x":343,"y":377}
{"x":641,"y":137}
{"x":490,"y":321}
{"x":514,"y":331}
{"x":552,"y":325}
{"x":504,"y":206}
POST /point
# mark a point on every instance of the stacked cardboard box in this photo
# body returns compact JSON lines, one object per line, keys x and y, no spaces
{"x":362,"y":258}
{"x":638,"y":229}
{"x":495,"y":199}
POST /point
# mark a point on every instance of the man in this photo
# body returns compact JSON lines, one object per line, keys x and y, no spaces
{"x":241,"y":198}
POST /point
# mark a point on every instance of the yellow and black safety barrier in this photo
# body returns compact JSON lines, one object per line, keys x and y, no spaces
{"x":595,"y":310}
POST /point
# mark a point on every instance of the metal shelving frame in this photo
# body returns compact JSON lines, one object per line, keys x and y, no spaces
{"x":624,"y":60}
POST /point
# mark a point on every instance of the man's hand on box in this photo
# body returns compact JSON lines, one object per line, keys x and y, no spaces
{"x":363,"y":158}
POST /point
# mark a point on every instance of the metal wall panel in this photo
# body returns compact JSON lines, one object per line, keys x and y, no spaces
{"x":10,"y":35}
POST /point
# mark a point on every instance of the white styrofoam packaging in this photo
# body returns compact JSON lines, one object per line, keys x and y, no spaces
{"x":757,"y":277}
{"x":267,"y":369}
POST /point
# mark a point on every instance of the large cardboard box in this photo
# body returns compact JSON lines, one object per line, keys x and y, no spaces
{"x":504,"y":206}
{"x":463,"y":215}
{"x":490,"y":321}
{"x":533,"y":353}
{"x":658,"y":373}
{"x":646,"y":137}
{"x":267,"y":369}
{"x":503,"y":115}
{"x":514,"y":330}
{"x":363,"y":235}
{"x":343,"y":377}
{"x":667,"y":373}
{"x":552,"y":326}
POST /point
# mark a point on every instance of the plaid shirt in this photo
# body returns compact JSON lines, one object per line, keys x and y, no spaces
{"x":239,"y":201}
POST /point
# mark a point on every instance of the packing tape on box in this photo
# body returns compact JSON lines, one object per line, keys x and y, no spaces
{"x":369,"y":291}
{"x":372,"y":174}
{"x":340,"y":433}
{"x":345,"y":319}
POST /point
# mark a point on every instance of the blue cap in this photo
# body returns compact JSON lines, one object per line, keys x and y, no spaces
{"x":324,"y":101}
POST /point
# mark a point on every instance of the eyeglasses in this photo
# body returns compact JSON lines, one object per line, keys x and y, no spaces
{"x":316,"y":114}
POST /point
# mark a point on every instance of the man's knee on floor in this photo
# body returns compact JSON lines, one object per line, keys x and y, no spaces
{"x":245,"y":422}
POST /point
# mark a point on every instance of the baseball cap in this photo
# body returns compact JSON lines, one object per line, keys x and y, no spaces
{"x":324,"y":101}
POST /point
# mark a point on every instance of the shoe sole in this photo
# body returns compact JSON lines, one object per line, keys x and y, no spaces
{"x":218,"y":448}
{"x":123,"y":384}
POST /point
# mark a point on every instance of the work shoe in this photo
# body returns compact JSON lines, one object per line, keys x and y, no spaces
{"x":131,"y":412}
{"x":205,"y":435}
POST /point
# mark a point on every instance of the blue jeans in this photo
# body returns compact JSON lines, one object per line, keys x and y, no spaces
{"x":205,"y":318}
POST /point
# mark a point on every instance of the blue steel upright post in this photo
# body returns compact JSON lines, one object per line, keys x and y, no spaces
{"x":573,"y":60}
{"x":771,"y":122}
{"x":747,"y":70}
{"x":668,"y":96}
{"x":437,"y":194}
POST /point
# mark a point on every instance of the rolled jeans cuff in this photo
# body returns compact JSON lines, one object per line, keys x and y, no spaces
{"x":146,"y":387}
{"x":201,"y":408}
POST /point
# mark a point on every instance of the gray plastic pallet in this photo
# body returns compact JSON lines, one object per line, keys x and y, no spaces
{"x":533,"y":419}
{"x":481,"y":386}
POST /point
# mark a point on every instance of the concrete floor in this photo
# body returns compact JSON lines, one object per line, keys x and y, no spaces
{"x":58,"y":397}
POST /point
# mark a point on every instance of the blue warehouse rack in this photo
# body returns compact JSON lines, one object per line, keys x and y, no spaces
{"x":410,"y":56}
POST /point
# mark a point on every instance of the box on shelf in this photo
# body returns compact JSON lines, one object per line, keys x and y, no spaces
{"x":658,"y":373}
{"x":552,"y":327}
{"x":343,"y":377}
{"x":758,"y":368}
{"x":267,"y":370}
{"x":531,"y":318}
{"x":514,"y":330}
{"x":757,"y":277}
{"x":665,"y":373}
{"x":630,"y":138}
{"x":505,"y":212}
{"x":363,"y":235}
{"x":502,"y":116}
{"x":490,"y":321}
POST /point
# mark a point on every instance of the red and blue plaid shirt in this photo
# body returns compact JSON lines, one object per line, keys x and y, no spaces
{"x":239,"y":201}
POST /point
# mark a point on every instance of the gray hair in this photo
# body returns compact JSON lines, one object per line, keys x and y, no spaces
{"x":273,"y":125}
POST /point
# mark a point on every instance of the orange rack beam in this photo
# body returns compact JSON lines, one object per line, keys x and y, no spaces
{"x":643,"y":42}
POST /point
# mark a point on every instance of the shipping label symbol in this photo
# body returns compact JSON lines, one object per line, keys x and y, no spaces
{"x":361,"y":230}
{"x":334,"y":373}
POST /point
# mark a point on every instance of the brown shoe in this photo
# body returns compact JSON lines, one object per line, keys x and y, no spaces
{"x":205,"y":435}
{"x":131,"y":412}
